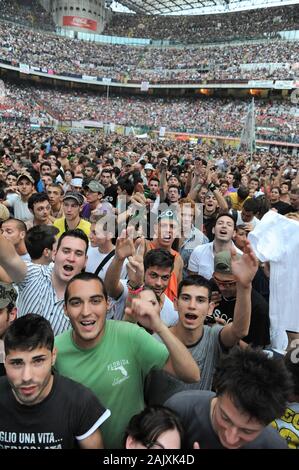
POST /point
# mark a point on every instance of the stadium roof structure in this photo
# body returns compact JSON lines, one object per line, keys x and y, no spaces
{"x":181,"y":7}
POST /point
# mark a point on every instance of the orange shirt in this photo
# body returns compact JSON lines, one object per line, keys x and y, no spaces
{"x":172,"y":288}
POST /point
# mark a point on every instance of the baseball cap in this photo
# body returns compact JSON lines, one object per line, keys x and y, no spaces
{"x":168,"y":214}
{"x":222,"y":262}
{"x":26,"y":175}
{"x":127,"y":162}
{"x":149,"y":166}
{"x":4,"y":212}
{"x":96,"y":187}
{"x":8,"y":294}
{"x":74,"y":195}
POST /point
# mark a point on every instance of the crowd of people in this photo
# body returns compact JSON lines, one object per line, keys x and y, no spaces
{"x":27,"y":13}
{"x":275,"y":120}
{"x":142,"y":272}
{"x":250,"y":24}
{"x":59,"y":55}
{"x":256,"y":23}
{"x":147,"y":286}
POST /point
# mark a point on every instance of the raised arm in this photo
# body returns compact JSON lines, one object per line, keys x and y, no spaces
{"x":124,"y":248}
{"x":180,"y":362}
{"x":135,"y":269}
{"x":163,"y":181}
{"x":218,"y":195}
{"x":196,"y":183}
{"x":11,"y":261}
{"x":244,"y":270}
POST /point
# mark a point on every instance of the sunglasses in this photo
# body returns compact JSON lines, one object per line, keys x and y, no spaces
{"x":220,"y":282}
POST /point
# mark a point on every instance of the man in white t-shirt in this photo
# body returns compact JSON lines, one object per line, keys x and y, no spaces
{"x":19,"y":202}
{"x":101,"y":251}
{"x":154,"y":271}
{"x":247,"y":215}
{"x":15,"y":231}
{"x":202,"y":259}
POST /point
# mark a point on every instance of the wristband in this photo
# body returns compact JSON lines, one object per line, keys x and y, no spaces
{"x":135,"y":291}
{"x":212,"y":187}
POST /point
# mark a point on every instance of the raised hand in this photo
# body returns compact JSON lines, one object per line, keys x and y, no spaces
{"x":146,"y":314}
{"x":135,"y":266}
{"x":124,"y":246}
{"x":244,"y":268}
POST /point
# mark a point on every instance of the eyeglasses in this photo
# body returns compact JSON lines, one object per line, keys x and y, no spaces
{"x":220,"y":282}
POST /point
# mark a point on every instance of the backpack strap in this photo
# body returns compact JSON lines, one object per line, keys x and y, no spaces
{"x":104,"y":262}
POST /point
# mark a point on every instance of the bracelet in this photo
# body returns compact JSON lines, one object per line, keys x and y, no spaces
{"x":136,"y":290}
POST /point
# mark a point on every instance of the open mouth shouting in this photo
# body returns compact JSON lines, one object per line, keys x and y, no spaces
{"x":190,"y":318}
{"x":87,"y":324}
{"x":166,"y":237}
{"x":68,"y":269}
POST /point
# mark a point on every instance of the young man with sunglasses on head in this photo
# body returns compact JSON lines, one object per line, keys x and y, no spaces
{"x":259,"y":329}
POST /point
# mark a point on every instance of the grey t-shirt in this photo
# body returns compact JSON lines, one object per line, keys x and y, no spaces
{"x":160,"y":385}
{"x":193,"y":407}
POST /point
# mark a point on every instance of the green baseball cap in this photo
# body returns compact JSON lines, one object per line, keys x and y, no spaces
{"x":222,"y":262}
{"x":168,"y":214}
{"x":96,"y":187}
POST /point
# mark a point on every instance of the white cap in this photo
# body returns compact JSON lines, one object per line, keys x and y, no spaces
{"x":149,"y":166}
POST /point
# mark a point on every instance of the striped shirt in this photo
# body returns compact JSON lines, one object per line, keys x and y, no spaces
{"x":37,"y":295}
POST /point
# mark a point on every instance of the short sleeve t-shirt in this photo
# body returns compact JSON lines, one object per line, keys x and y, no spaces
{"x":95,"y":258}
{"x":115,"y":370}
{"x":161,"y":385}
{"x":20,"y":207}
{"x":193,"y":407}
{"x":69,"y":413}
{"x":37,"y":295}
{"x":287,"y":425}
{"x":83,"y":225}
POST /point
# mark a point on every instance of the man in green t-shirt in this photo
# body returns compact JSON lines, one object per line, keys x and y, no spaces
{"x":113,"y":358}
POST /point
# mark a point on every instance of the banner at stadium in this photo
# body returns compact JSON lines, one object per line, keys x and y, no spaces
{"x":24,"y":68}
{"x":260,"y":83}
{"x":144,"y":86}
{"x":106,"y":80}
{"x":283,"y":84}
{"x":89,"y":77}
{"x":247,"y":141}
{"x":79,"y":22}
{"x":162,"y":131}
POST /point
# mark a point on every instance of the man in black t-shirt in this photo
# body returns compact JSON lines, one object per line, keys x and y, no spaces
{"x":39,"y":409}
{"x":281,"y":207}
{"x":259,"y":329}
{"x":251,"y":390}
{"x":110,"y":194}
